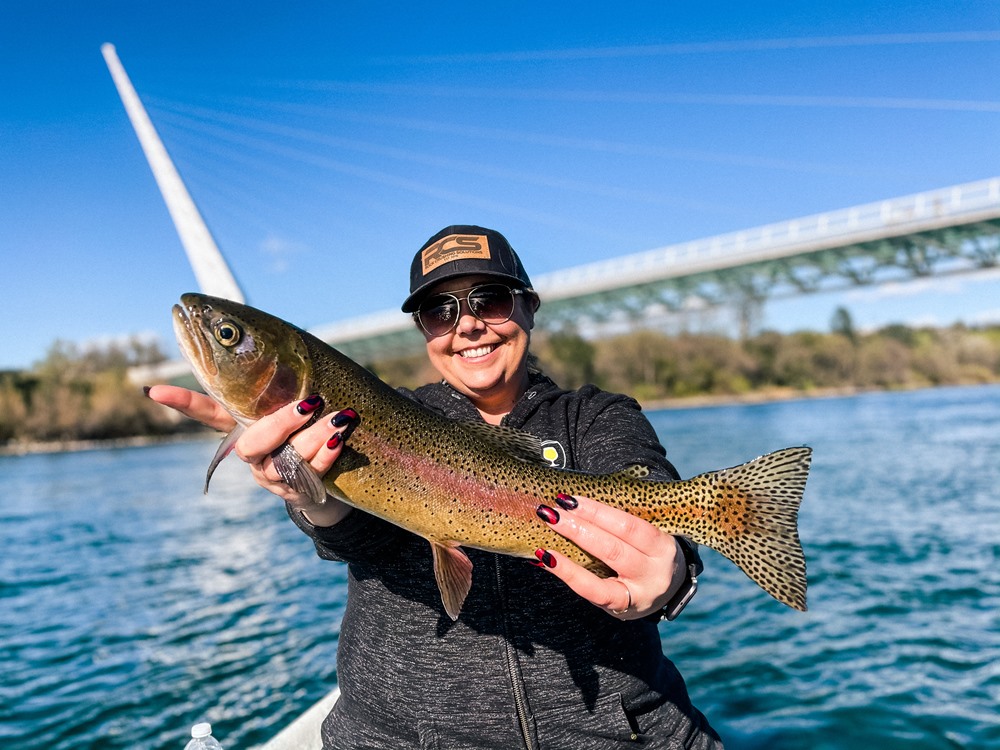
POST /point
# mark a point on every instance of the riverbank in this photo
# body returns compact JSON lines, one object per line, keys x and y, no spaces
{"x":75,"y":446}
{"x":769,"y":395}
{"x":766,"y":396}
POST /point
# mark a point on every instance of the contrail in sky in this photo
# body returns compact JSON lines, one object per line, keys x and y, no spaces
{"x":692,"y":48}
{"x":654,"y":97}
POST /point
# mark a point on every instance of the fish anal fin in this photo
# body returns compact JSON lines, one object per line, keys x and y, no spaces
{"x":225,"y":448}
{"x":453,"y":572}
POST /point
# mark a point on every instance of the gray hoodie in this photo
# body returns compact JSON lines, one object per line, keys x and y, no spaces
{"x":529,"y":664}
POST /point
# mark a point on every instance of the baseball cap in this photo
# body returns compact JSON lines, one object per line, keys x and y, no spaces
{"x":463,"y":250}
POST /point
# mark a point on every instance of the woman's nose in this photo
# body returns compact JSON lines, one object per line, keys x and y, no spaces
{"x":467,"y":322}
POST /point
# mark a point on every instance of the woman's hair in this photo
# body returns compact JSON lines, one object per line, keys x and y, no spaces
{"x":534,"y":366}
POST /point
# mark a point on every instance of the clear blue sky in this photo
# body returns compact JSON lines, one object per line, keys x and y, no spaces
{"x":324,"y":142}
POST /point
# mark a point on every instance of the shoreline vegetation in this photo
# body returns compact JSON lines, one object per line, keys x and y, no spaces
{"x":83,"y":399}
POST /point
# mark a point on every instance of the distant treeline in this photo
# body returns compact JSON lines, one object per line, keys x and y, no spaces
{"x":86,"y":395}
{"x":654,"y":366}
{"x":76,"y":394}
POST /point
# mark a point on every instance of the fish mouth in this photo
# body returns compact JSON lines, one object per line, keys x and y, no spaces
{"x":191,"y":336}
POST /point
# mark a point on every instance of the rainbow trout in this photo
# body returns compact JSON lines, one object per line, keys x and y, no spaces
{"x":464,"y":484}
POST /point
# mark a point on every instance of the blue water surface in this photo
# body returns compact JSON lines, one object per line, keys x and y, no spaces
{"x":901,"y":529}
{"x":133,"y":606}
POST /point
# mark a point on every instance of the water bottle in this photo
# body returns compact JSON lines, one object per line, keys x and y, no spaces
{"x":202,"y":739}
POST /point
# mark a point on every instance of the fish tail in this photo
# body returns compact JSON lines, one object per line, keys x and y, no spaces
{"x":750,"y":515}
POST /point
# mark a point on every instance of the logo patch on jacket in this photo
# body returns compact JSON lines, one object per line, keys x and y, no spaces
{"x":554,"y":453}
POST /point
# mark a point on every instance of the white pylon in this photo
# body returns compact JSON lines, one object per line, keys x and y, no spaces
{"x":210,"y":268}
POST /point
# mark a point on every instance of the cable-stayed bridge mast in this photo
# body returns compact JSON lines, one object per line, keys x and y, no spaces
{"x":210,"y":268}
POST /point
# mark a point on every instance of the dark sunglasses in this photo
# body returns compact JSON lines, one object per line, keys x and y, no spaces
{"x":490,"y":303}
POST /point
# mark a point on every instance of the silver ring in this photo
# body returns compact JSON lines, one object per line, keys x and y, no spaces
{"x":627,"y":606}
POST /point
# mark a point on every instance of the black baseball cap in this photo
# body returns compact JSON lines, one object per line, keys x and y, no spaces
{"x":463,"y":250}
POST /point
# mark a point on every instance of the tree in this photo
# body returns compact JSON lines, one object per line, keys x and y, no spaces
{"x":842,"y":323}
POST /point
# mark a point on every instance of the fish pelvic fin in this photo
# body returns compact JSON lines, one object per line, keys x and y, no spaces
{"x":225,"y":448}
{"x":453,"y":572}
{"x":752,"y":518}
{"x":296,"y":472}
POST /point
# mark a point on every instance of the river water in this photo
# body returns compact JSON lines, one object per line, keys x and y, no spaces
{"x":132,"y":606}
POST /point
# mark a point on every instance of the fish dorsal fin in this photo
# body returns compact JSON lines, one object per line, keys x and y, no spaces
{"x":453,"y":572}
{"x":636,"y":471}
{"x":519,"y":444}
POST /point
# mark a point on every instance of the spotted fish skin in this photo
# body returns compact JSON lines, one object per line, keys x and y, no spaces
{"x":461,"y":484}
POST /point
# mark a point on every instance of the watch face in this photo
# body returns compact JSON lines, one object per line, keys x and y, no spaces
{"x":685,"y":595}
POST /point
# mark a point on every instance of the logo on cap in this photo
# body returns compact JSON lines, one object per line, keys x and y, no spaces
{"x":454,"y":247}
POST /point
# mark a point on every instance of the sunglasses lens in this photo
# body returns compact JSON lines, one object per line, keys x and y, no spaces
{"x":492,"y":303}
{"x":438,"y":314}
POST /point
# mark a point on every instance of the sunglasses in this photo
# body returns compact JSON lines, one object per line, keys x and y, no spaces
{"x":490,"y":303}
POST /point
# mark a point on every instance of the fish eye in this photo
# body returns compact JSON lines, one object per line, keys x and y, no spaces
{"x":227,"y":333}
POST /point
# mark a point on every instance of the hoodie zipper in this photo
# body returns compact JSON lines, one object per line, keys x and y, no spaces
{"x":517,"y":686}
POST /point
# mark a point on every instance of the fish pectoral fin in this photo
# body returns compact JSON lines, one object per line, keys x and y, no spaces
{"x":453,"y":572}
{"x":225,"y":448}
{"x":296,"y":472}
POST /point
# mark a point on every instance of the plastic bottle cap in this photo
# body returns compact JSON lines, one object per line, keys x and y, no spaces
{"x":201,"y":730}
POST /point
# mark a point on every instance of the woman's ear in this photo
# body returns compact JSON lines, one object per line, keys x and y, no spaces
{"x":533,"y":306}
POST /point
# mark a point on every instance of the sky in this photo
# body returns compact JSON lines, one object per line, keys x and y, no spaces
{"x":324,"y":142}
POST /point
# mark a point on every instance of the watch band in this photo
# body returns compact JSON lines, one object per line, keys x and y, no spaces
{"x":693,"y":566}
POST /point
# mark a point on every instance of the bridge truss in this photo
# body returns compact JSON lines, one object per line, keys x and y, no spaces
{"x":951,"y":230}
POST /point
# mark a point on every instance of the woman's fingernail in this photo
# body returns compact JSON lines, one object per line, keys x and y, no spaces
{"x":145,"y":390}
{"x":344,"y":417}
{"x":566,"y":502}
{"x":309,"y":405}
{"x":348,"y":418}
{"x":334,"y":441}
{"x":546,"y":558}
{"x":547,"y":514}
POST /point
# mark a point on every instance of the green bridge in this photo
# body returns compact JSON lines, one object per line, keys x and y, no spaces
{"x":951,"y":230}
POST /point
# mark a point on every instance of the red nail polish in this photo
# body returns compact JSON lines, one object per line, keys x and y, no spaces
{"x":309,"y":405}
{"x":566,"y":502}
{"x":547,"y":514}
{"x":546,"y":558}
{"x":334,"y":441}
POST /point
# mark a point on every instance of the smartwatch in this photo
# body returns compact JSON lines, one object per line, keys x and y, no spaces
{"x":694,"y":567}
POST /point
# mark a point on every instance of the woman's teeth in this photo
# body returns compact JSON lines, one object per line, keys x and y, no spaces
{"x":479,"y":351}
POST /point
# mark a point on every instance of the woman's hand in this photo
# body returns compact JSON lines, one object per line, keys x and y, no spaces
{"x":649,"y":562}
{"x":194,"y":405}
{"x":319,"y":445}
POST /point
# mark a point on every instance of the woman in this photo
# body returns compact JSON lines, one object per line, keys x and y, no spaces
{"x":543,"y":656}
